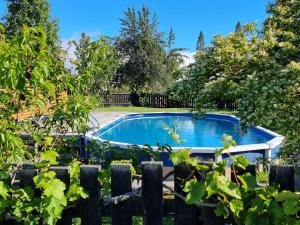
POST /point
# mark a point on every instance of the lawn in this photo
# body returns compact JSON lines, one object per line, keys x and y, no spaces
{"x":145,"y":109}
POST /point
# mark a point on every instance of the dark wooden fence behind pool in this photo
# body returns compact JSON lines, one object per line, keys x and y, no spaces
{"x":152,"y":206}
{"x":155,"y":100}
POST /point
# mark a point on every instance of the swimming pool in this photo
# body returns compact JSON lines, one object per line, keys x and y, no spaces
{"x":202,"y":134}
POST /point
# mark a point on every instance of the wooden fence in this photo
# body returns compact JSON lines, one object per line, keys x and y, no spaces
{"x":153,"y":100}
{"x":156,"y":100}
{"x":117,"y":99}
{"x":152,"y":205}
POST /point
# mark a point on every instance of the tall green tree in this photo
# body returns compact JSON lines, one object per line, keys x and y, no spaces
{"x":201,"y":42}
{"x":82,"y":53}
{"x":218,"y":72}
{"x":282,"y":30}
{"x":31,"y":13}
{"x":142,"y":47}
{"x":238,"y":27}
{"x":95,"y":64}
{"x":173,"y":59}
{"x":273,"y":92}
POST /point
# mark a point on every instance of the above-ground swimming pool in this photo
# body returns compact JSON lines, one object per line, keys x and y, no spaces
{"x":202,"y":134}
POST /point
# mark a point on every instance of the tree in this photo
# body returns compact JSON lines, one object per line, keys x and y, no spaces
{"x":142,"y":47}
{"x":238,"y":27}
{"x":31,"y":13}
{"x":282,"y":30}
{"x":171,"y":39}
{"x":82,"y":53}
{"x":173,"y":59}
{"x":201,"y":43}
{"x":273,"y":92}
{"x":27,"y":85}
{"x":218,"y":72}
{"x":95,"y":64}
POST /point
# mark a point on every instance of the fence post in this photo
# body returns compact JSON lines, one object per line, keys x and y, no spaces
{"x":121,"y":184}
{"x":183,"y":214}
{"x":62,"y":173}
{"x":26,"y":177}
{"x":152,"y":193}
{"x":90,"y":207}
{"x":283,"y":175}
{"x":297,"y":178}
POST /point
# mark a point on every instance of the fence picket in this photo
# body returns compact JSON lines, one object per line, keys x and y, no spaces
{"x":90,"y":207}
{"x":278,"y":175}
{"x":152,"y":193}
{"x":183,"y":214}
{"x":121,"y":184}
{"x":297,"y":178}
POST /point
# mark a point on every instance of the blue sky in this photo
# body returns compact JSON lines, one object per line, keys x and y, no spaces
{"x":187,"y":17}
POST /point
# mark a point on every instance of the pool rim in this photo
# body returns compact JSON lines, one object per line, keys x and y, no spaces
{"x":275,"y":142}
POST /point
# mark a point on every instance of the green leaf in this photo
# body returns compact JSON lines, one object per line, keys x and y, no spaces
{"x":196,"y":191}
{"x":287,"y":195}
{"x":48,"y":141}
{"x":221,"y":210}
{"x":180,"y":156}
{"x":4,"y":190}
{"x":276,"y":210}
{"x":54,"y":188}
{"x":50,"y":156}
{"x":76,"y":192}
{"x":236,"y":206}
{"x":228,"y":187}
{"x":220,"y":166}
{"x":248,"y":181}
{"x":53,"y":208}
{"x":240,"y":161}
{"x":212,"y":188}
{"x":291,"y":207}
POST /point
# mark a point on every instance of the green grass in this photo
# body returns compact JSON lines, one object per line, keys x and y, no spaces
{"x":145,"y":109}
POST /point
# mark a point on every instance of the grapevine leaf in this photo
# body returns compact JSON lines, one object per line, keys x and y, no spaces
{"x":180,"y":156}
{"x":50,"y":156}
{"x":287,"y":195}
{"x":291,"y":207}
{"x":248,"y":181}
{"x":221,"y":210}
{"x":196,"y":190}
{"x":4,"y":190}
{"x":236,"y":206}
{"x":228,"y":187}
{"x":241,"y":161}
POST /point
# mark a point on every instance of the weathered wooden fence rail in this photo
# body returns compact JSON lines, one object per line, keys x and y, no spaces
{"x":151,"y":205}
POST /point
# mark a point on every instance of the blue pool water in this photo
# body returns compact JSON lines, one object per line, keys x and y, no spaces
{"x":196,"y":132}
